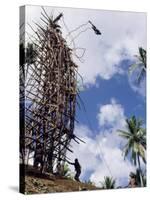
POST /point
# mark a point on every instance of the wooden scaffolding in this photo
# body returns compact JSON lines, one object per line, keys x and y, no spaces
{"x":48,"y":92}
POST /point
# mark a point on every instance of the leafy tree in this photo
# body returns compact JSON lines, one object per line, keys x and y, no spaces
{"x":136,"y":142}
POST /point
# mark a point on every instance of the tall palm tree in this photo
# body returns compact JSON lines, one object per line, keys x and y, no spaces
{"x":108,"y":183}
{"x":136,"y":142}
{"x":140,"y":64}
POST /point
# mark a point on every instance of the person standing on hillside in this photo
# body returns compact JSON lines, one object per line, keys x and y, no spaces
{"x":77,"y":167}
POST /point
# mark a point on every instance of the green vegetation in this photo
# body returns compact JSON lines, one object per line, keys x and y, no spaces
{"x":108,"y":183}
{"x":67,"y":172}
{"x":27,"y":54}
{"x":135,"y":147}
{"x":140,"y":65}
{"x":138,"y":179}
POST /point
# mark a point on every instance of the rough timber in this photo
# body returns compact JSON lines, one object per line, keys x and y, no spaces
{"x":48,"y":91}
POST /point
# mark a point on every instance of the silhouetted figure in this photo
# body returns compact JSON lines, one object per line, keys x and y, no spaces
{"x":55,"y":24}
{"x":97,"y":32}
{"x":58,"y":18}
{"x":77,"y":169}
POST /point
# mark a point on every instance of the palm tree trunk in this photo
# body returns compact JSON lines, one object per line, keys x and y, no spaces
{"x":140,"y":171}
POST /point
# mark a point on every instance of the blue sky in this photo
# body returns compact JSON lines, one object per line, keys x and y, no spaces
{"x":109,"y":94}
{"x":117,"y":87}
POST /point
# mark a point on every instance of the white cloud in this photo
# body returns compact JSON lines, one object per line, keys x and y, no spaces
{"x":138,"y":88}
{"x":120,"y":40}
{"x":111,"y":115}
{"x":86,"y":153}
{"x":113,"y":158}
{"x":99,"y":153}
{"x":122,"y":34}
{"x":103,"y":150}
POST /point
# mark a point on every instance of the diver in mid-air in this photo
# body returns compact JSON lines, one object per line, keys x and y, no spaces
{"x":97,"y":32}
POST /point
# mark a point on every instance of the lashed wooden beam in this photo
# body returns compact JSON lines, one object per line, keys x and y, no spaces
{"x":50,"y":93}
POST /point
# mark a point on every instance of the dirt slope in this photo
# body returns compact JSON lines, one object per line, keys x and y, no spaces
{"x":48,"y":183}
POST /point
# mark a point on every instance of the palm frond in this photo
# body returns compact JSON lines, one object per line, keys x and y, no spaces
{"x":132,"y":68}
{"x":136,"y":139}
{"x":124,"y":134}
{"x":140,"y":64}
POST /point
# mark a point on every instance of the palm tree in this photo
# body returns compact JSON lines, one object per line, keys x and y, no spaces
{"x":27,"y":54}
{"x":136,"y":142}
{"x":140,"y":64}
{"x":108,"y":183}
{"x":136,"y":175}
{"x":27,"y":57}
